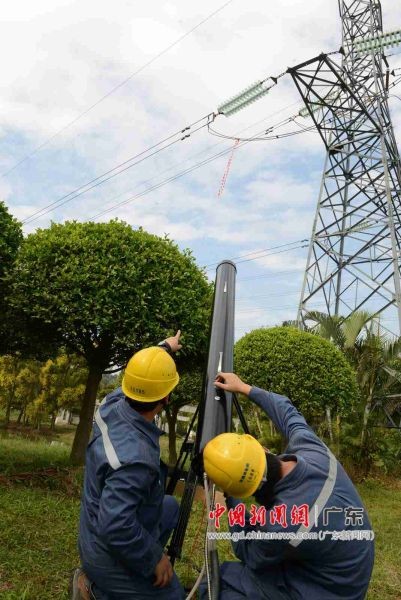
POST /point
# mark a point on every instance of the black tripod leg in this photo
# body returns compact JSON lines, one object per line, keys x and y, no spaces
{"x":240,"y":414}
{"x":177,"y":540}
{"x":182,"y":458}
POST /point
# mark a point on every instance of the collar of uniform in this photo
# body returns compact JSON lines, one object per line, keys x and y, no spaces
{"x":294,"y":477}
{"x":135,"y":418}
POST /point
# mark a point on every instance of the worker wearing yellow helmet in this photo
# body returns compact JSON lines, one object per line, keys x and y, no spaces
{"x":126,"y":518}
{"x":302,"y":496}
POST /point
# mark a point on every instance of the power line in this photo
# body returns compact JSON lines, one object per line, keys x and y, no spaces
{"x":81,"y":190}
{"x":280,"y":295}
{"x":210,"y":147}
{"x":257,"y":252}
{"x":115,"y":88}
{"x":171,"y":167}
{"x":265,"y":308}
{"x":161,"y":184}
{"x":182,"y":135}
{"x":185,"y":171}
{"x":272,"y":253}
{"x":287,"y":306}
{"x":266,"y":137}
{"x":270,"y":275}
{"x":117,"y":170}
{"x":169,"y":180}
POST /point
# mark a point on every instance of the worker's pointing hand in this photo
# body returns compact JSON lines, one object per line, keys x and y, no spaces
{"x":174,"y":341}
{"x":163,"y":572}
{"x":232,"y":383}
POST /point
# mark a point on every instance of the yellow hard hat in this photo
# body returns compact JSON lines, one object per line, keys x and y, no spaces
{"x":150,"y":375}
{"x":236,"y":463}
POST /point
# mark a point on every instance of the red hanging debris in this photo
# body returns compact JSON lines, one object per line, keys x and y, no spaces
{"x":226,"y":172}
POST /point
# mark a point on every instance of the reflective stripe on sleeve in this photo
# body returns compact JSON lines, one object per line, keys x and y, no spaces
{"x":322,"y":498}
{"x":108,"y":446}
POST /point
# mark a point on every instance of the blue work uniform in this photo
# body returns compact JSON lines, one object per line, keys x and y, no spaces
{"x":329,"y":568}
{"x":125,"y":516}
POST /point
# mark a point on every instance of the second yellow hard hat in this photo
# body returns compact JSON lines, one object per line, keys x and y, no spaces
{"x":236,"y":463}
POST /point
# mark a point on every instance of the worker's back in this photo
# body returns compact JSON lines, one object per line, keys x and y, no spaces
{"x":122,"y":469}
{"x":339,"y":562}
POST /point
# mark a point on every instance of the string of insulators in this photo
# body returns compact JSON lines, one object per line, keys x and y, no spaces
{"x":247,"y":96}
{"x":377,"y":42}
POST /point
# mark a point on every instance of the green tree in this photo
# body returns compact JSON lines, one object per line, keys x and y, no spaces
{"x":10,"y":241}
{"x":346,"y":334}
{"x":28,"y":387}
{"x":109,"y":382}
{"x":19,"y":384}
{"x":373,"y":356}
{"x":71,"y":398}
{"x":103,"y":290}
{"x":304,"y":367}
{"x":62,"y":382}
{"x":9,"y":369}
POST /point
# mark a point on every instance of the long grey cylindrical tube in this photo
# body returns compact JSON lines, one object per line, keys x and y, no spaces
{"x":216,"y":406}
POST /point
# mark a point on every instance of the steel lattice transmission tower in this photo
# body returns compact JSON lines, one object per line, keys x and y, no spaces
{"x":354,"y":254}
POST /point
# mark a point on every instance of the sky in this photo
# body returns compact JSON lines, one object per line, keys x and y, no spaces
{"x":61,"y":126}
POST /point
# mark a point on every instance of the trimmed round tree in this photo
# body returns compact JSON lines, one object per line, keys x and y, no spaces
{"x":105,"y":290}
{"x":10,"y":240}
{"x":306,"y":368}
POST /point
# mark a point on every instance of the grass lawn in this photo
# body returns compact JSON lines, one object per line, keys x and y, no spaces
{"x":39,"y":519}
{"x":384,"y":507}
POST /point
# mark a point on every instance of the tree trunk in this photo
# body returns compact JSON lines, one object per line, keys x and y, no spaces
{"x":11,"y":398}
{"x":366,"y":414}
{"x":84,"y":427}
{"x":365,"y":457}
{"x":21,"y":414}
{"x":338,"y":435}
{"x":329,"y":423}
{"x":53,"y":421}
{"x":171,"y":416}
{"x":258,"y":425}
{"x":8,"y":413}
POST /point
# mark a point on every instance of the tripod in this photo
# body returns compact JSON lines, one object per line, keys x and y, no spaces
{"x":193,"y":478}
{"x":214,"y":416}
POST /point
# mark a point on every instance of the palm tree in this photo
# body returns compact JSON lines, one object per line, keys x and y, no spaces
{"x":376,"y":356}
{"x":344,"y":333}
{"x":371,"y":353}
